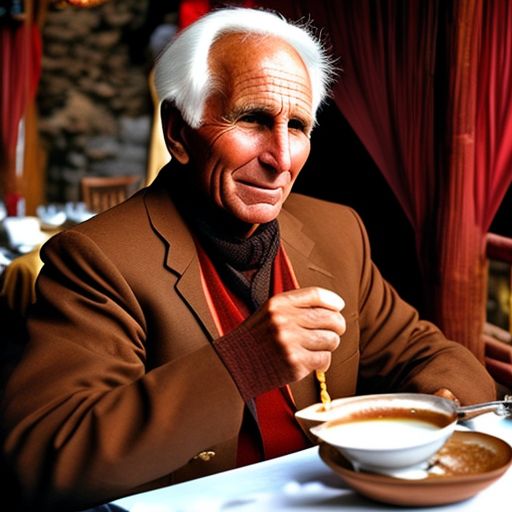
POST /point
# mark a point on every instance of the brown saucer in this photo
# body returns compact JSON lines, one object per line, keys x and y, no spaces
{"x":467,"y":464}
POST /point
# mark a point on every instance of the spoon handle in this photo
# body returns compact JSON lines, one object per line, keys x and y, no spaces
{"x":324,"y":395}
{"x":499,"y":407}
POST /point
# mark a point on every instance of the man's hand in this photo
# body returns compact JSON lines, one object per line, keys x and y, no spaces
{"x":298,"y":330}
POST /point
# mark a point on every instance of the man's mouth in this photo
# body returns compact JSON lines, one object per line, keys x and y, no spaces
{"x":259,"y":192}
{"x":257,"y":185}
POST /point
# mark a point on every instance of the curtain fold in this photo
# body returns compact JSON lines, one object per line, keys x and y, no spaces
{"x":20,"y":67}
{"x":479,"y":168}
{"x":493,"y":131}
{"x":459,"y":287}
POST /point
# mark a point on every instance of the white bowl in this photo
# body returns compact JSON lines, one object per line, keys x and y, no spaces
{"x":51,"y":215}
{"x":23,"y":233}
{"x":388,"y":432}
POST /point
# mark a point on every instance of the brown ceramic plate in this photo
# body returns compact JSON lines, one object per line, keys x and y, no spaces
{"x":467,"y":464}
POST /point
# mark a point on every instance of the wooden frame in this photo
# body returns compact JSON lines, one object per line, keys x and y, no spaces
{"x":100,"y":193}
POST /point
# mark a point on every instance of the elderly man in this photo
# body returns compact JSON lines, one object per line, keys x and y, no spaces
{"x":175,"y":335}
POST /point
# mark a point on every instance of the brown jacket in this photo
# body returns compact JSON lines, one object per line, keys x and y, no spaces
{"x":120,"y":388}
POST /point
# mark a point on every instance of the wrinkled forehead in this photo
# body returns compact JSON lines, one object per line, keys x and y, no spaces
{"x":237,"y":58}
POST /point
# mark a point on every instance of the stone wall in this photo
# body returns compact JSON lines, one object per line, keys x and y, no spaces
{"x":94,"y":104}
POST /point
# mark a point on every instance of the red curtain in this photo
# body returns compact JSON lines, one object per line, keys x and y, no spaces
{"x":493,"y":131}
{"x":20,"y":66}
{"x":479,"y":169}
{"x":191,"y":10}
{"x":387,"y":51}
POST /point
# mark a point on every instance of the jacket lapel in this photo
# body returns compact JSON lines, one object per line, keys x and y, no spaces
{"x":172,"y":230}
{"x":309,"y":268}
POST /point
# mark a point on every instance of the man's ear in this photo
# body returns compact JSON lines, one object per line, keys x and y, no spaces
{"x":174,"y":126}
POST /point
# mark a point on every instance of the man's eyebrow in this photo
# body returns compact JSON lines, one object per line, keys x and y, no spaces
{"x":265,"y":111}
{"x":249,"y":109}
{"x":238,"y":112}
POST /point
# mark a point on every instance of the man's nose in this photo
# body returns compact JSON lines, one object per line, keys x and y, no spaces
{"x":277,"y":154}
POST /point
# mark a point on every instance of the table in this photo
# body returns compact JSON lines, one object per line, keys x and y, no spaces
{"x":17,"y":283}
{"x":302,"y":482}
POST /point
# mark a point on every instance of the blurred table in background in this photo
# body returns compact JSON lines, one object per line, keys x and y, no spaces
{"x":20,"y":241}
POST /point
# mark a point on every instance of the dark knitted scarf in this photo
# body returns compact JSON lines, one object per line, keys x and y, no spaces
{"x":244,"y":264}
{"x":238,"y":258}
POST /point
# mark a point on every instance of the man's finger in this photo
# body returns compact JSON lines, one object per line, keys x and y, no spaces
{"x":315,"y":297}
{"x":331,"y":300}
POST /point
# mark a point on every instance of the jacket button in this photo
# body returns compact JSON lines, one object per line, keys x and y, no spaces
{"x":205,"y":456}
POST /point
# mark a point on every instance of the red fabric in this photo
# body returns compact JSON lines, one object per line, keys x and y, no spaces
{"x":493,"y":131}
{"x":191,"y":10}
{"x":479,"y":169}
{"x":278,"y":428}
{"x":20,"y":68}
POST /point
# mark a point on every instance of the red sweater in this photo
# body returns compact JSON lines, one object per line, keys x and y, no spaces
{"x":276,"y":431}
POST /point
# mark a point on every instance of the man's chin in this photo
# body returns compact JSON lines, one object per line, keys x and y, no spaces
{"x":258,"y":214}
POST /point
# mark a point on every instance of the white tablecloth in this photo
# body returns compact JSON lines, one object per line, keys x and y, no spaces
{"x":302,"y":482}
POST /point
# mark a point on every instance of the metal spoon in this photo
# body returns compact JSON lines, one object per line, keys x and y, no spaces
{"x":499,"y":407}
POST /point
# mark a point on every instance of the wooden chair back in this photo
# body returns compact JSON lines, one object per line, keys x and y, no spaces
{"x":99,"y":193}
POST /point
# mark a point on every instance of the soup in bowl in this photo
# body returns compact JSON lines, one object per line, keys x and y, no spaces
{"x":388,"y":432}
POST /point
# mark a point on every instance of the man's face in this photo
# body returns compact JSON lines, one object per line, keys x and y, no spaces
{"x":254,"y":139}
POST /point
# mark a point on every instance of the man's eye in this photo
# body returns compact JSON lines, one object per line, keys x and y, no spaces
{"x":260,"y":119}
{"x":249,"y":118}
{"x":255,"y":118}
{"x":297,"y":124}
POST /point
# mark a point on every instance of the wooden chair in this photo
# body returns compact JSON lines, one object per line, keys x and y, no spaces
{"x":101,"y":192}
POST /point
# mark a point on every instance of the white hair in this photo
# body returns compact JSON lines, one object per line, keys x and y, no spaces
{"x":182,"y":74}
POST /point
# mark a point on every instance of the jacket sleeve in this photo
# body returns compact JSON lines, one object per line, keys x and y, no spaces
{"x":84,"y":420}
{"x":401,"y":352}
